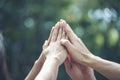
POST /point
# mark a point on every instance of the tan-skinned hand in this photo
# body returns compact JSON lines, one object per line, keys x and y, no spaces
{"x":77,"y":53}
{"x":54,"y":48}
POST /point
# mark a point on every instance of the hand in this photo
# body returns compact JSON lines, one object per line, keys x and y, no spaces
{"x":77,"y":71}
{"x":74,"y":45}
{"x":38,"y":63}
{"x":78,"y":54}
{"x":55,"y":49}
{"x":55,"y":54}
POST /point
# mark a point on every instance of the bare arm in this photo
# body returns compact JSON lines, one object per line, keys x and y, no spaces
{"x":35,"y":69}
{"x":40,"y":61}
{"x":49,"y":70}
{"x":109,"y":69}
{"x":56,"y":55}
{"x":82,"y":55}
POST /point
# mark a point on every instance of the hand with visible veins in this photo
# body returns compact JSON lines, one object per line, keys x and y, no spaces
{"x":55,"y":54}
{"x":52,"y":52}
{"x":55,"y":49}
{"x":74,"y":63}
{"x":75,"y":46}
{"x":80,"y":54}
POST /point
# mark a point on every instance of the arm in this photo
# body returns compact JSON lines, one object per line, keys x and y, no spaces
{"x":40,"y":61}
{"x":49,"y":70}
{"x":73,"y":64}
{"x":55,"y":56}
{"x":82,"y":55}
{"x":109,"y":69}
{"x":35,"y":69}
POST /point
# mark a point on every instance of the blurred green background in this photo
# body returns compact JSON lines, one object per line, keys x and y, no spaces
{"x":25,"y":25}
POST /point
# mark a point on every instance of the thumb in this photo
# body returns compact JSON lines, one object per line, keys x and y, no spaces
{"x":67,"y":44}
{"x":45,"y":44}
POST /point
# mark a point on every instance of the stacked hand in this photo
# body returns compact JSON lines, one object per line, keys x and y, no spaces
{"x":53,"y":48}
{"x":77,"y":52}
{"x":62,"y":46}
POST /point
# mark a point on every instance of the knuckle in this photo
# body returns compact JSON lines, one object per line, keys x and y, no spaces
{"x":66,"y":42}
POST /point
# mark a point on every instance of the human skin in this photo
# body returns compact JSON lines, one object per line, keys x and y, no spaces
{"x":80,"y":54}
{"x":36,"y":67}
{"x":55,"y":55}
{"x":39,"y":62}
{"x":76,"y":70}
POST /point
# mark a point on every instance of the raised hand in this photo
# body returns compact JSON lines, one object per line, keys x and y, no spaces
{"x":77,"y":55}
{"x":75,"y":46}
{"x":39,"y":62}
{"x":55,"y":54}
{"x":55,"y":49}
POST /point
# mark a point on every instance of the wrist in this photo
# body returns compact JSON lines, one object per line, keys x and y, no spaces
{"x":49,"y":68}
{"x":89,"y":60}
{"x":53,"y":59}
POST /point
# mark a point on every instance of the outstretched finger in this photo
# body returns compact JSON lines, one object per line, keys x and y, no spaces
{"x":71,"y":35}
{"x":60,"y":32}
{"x":45,"y":44}
{"x":50,"y":36}
{"x":63,"y":32}
{"x":55,"y":32}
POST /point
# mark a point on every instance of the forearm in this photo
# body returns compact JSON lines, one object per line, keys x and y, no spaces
{"x":110,"y":70}
{"x":49,"y":70}
{"x":35,"y":69}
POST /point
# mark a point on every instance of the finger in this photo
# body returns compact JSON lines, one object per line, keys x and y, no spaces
{"x":63,"y":33}
{"x":55,"y":33}
{"x":45,"y":44}
{"x":50,"y":36}
{"x":68,"y":45}
{"x":60,"y":32}
{"x":71,"y":35}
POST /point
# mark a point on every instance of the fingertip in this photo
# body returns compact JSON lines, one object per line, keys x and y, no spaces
{"x":45,"y":44}
{"x":46,"y":41}
{"x":61,"y":19}
{"x":56,"y":25}
{"x":53,"y":27}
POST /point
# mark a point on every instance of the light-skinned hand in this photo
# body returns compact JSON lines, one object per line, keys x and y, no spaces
{"x":77,"y":53}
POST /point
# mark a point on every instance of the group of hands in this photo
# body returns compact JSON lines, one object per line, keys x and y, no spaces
{"x":67,"y":48}
{"x":63,"y":46}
